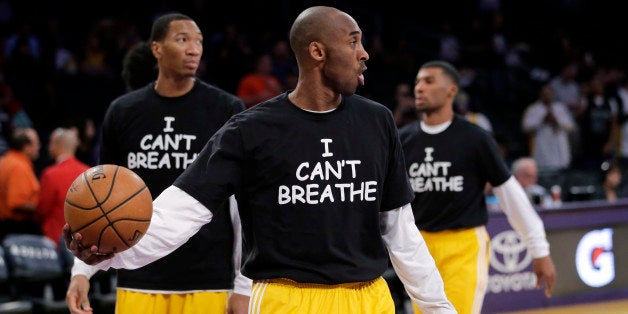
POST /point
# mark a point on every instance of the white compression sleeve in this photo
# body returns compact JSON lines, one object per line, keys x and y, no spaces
{"x":412,"y":261}
{"x":241,"y":284}
{"x":177,"y":216}
{"x":522,"y":216}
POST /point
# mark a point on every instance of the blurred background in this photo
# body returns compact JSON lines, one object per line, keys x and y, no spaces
{"x":61,"y":62}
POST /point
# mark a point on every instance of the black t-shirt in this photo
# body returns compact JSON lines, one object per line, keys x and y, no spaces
{"x":159,"y":137}
{"x":448,"y":173}
{"x":310,"y":187}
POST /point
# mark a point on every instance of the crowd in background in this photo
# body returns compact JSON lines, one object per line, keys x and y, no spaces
{"x":546,"y":78}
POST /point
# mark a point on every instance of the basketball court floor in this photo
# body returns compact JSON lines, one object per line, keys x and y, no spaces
{"x":607,"y":307}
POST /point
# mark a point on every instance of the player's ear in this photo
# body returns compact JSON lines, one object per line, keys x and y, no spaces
{"x":155,"y":47}
{"x":317,"y":50}
{"x":453,"y":90}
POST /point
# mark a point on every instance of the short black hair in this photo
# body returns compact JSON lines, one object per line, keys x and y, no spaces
{"x":162,"y":24}
{"x":19,"y":139}
{"x":139,"y":66}
{"x":447,"y":68}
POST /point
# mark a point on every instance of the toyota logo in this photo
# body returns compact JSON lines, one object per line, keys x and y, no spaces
{"x":509,"y":253}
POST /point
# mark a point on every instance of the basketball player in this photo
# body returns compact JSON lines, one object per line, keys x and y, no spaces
{"x":157,"y":131}
{"x":322,"y":192}
{"x":449,"y":161}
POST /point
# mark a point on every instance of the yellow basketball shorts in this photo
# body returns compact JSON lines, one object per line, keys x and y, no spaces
{"x":462,"y":258}
{"x":282,"y":296}
{"x":132,"y":302}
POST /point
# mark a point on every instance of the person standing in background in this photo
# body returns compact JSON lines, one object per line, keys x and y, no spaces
{"x":157,"y":130}
{"x":449,"y":161}
{"x":19,"y":186}
{"x":548,"y":123}
{"x":56,"y":179}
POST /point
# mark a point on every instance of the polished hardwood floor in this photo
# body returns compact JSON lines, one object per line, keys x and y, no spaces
{"x":607,"y":307}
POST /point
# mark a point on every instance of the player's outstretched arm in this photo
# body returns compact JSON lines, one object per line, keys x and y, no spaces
{"x":412,"y":262}
{"x":177,"y":216}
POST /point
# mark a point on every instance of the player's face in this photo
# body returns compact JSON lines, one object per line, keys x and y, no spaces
{"x":179,"y":54}
{"x":433,"y":90}
{"x":346,"y":57}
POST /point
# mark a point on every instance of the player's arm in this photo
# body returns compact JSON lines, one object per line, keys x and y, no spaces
{"x":412,"y":262}
{"x":177,"y":216}
{"x":522,"y":216}
{"x":239,"y":299}
{"x":241,"y":284}
{"x":525,"y":220}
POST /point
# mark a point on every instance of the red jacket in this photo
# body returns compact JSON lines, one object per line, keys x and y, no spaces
{"x":55,"y":181}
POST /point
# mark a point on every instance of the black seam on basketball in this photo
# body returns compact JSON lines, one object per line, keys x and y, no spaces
{"x":110,"y":223}
{"x":98,"y":203}
{"x":104,"y":215}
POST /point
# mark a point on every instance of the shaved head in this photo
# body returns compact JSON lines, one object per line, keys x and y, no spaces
{"x":313,"y":24}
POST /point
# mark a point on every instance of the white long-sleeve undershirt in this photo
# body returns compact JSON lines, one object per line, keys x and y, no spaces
{"x":522,"y":216}
{"x":168,"y":230}
{"x":412,"y":261}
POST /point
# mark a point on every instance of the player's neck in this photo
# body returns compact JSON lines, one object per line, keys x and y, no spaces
{"x":170,"y":87}
{"x":314,"y":100}
{"x":437,"y":117}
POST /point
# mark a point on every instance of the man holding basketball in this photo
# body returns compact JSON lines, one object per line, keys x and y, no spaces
{"x":319,"y":176}
{"x":157,"y":131}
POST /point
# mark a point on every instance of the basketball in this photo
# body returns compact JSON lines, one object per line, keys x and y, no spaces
{"x":110,"y":206}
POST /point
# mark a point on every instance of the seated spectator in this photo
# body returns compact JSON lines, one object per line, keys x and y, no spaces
{"x":19,"y":187}
{"x":611,"y":181}
{"x":524,"y":169}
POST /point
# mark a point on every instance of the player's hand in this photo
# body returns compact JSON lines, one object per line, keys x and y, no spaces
{"x":88,"y":255}
{"x":76,"y":297}
{"x":545,"y":272}
{"x":238,"y":304}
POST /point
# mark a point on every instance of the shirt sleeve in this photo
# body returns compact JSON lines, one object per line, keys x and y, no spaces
{"x":241,"y":284}
{"x":522,"y":216}
{"x":412,"y":261}
{"x":177,"y":216}
{"x":80,"y":268}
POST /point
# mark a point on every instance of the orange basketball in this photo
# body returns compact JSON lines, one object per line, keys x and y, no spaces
{"x":110,"y":206}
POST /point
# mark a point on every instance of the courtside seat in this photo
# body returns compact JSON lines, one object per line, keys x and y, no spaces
{"x":35,"y":268}
{"x":7,"y":303}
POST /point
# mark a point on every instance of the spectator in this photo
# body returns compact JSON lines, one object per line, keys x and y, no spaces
{"x":56,"y":180}
{"x":598,"y":125}
{"x":403,"y":110}
{"x":609,"y":188}
{"x":524,"y":169}
{"x":547,"y":123}
{"x":260,"y":84}
{"x":19,"y":187}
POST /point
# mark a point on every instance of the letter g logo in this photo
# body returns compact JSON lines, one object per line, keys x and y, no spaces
{"x":595,"y":261}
